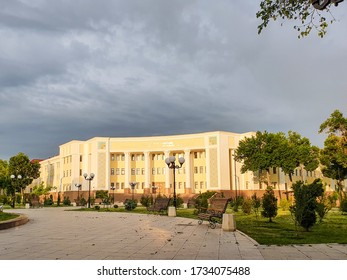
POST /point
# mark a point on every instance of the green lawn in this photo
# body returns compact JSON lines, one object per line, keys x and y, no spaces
{"x":282,"y":231}
{"x":7,"y":216}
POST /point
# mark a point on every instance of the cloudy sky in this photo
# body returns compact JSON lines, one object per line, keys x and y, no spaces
{"x":79,"y":69}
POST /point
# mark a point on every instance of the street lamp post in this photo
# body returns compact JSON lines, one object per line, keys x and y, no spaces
{"x":78,"y":186}
{"x":170,"y":161}
{"x":132,"y":185}
{"x":113,"y":188}
{"x":13,"y":177}
{"x":89,"y":178}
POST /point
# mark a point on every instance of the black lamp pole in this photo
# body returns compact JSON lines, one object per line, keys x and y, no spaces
{"x":89,"y":178}
{"x":170,"y":161}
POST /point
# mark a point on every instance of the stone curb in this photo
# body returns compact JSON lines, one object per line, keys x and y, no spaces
{"x":21,"y":220}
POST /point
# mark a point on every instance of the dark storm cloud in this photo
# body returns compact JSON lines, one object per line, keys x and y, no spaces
{"x":79,"y":69}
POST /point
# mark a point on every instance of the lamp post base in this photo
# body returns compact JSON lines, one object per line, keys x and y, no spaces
{"x":171,"y":211}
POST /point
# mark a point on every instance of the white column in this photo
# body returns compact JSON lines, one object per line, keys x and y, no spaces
{"x":168,"y":172}
{"x":127,"y":170}
{"x":188,"y":168}
{"x":147,"y":170}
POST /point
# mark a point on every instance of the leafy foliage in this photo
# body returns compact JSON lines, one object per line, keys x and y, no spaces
{"x":333,"y":156}
{"x":301,"y":11}
{"x":256,"y":204}
{"x":304,"y":208}
{"x":267,"y":150}
{"x":130,"y":204}
{"x":269,"y":204}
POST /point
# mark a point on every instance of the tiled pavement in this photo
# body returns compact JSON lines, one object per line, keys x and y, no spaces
{"x":53,"y":233}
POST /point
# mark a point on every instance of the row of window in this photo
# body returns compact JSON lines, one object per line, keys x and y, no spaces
{"x":156,"y":171}
{"x":159,"y":156}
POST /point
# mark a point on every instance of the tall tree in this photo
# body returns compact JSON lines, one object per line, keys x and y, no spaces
{"x":310,"y":14}
{"x":260,"y":152}
{"x":23,"y":172}
{"x":333,"y":156}
{"x":298,"y":152}
{"x":267,"y":150}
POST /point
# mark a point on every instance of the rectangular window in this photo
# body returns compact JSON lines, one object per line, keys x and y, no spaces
{"x":81,"y":158}
{"x":112,"y":171}
{"x":274,"y":170}
{"x":132,"y":157}
{"x":112,"y":157}
{"x":122,"y":185}
{"x":117,"y":171}
{"x":117,"y":157}
{"x":153,"y":171}
{"x":196,"y":170}
{"x":179,"y":185}
{"x":117,"y":186}
{"x":195,"y":155}
{"x":123,"y":157}
{"x":142,"y":157}
{"x":137,"y":171}
{"x":142,"y":171}
{"x":122,"y":171}
{"x":153,"y":156}
{"x":201,"y":185}
{"x":80,"y":172}
{"x":201,"y":169}
{"x":132,"y":171}
{"x":196,"y":185}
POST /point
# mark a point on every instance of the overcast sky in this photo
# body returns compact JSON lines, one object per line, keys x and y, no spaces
{"x":73,"y":70}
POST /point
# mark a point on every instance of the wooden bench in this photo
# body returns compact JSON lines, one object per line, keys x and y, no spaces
{"x":160,"y":205}
{"x":214,"y":213}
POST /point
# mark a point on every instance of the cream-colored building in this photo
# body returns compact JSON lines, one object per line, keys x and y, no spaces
{"x":209,"y":166}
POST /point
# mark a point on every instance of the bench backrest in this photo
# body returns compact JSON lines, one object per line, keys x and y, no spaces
{"x":219,"y":204}
{"x":162,"y":202}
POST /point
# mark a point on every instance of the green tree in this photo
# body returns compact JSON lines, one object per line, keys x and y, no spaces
{"x":333,"y":156}
{"x":269,"y":203}
{"x":4,"y":177}
{"x":297,"y":152}
{"x":28,"y":171}
{"x":268,"y":150}
{"x":260,"y":153}
{"x":308,"y":17}
{"x":305,"y":204}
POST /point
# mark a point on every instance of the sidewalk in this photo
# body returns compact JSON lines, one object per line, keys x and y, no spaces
{"x":55,"y":234}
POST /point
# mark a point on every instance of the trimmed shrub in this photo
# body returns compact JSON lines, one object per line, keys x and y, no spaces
{"x":256,"y":204}
{"x":247,"y":206}
{"x":269,"y":204}
{"x":304,"y":208}
{"x":130,"y":204}
{"x":285,"y":204}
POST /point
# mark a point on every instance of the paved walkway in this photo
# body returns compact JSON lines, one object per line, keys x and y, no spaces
{"x":53,"y":233}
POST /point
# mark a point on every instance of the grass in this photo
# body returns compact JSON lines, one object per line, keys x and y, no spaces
{"x":7,"y":216}
{"x":282,"y":230}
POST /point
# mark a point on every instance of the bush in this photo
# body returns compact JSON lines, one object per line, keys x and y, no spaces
{"x":97,"y":207}
{"x":115,"y":206}
{"x":146,"y":200}
{"x":179,"y":201}
{"x":4,"y":199}
{"x":48,"y":202}
{"x":202,"y":199}
{"x":285,"y":204}
{"x":130,"y":204}
{"x":66,"y":201}
{"x":247,"y":206}
{"x":343,"y":205}
{"x":256,"y":204}
{"x":236,"y":203}
{"x":269,"y":204}
{"x":304,"y":208}
{"x":324,"y":204}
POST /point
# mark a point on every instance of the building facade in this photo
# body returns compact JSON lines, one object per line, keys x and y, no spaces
{"x":209,"y":166}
